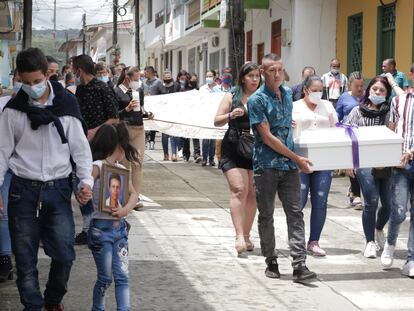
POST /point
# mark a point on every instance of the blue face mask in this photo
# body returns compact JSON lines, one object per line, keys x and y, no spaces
{"x":376,"y":99}
{"x":17,"y":86}
{"x":35,"y":91}
{"x":103,"y":79}
{"x":227,"y":81}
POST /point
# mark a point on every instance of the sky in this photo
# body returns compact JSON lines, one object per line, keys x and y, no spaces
{"x":69,"y":13}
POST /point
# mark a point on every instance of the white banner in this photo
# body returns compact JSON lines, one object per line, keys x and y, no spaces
{"x":185,"y":114}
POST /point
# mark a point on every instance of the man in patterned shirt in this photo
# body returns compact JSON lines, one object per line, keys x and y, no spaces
{"x":401,"y":121}
{"x":98,"y":105}
{"x":275,"y":168}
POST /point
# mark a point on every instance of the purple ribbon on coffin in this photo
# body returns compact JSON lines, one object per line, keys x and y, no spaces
{"x":349,"y":128}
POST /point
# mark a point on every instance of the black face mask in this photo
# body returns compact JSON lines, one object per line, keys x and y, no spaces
{"x":53,"y":77}
{"x":167,"y":81}
{"x":193,"y":84}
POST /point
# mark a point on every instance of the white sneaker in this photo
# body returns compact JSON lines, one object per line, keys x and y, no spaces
{"x":387,"y":256}
{"x":379,"y":239}
{"x":408,"y":269}
{"x":180,"y":153}
{"x":370,"y":250}
{"x":357,"y":204}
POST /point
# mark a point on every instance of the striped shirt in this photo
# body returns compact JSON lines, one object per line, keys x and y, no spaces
{"x":356,"y":117}
{"x":402,"y":114}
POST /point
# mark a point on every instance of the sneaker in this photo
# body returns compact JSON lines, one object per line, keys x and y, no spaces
{"x":379,"y":239}
{"x":54,"y":307}
{"x":212,"y":163}
{"x":302,"y":275}
{"x":204,"y":163}
{"x":387,"y":256}
{"x":272,"y":270}
{"x":81,"y":238}
{"x":174,"y":158}
{"x":151,"y":145}
{"x":370,"y":250}
{"x":357,"y":204}
{"x":408,"y":269}
{"x":166,"y":157}
{"x":198,"y":159}
{"x":180,"y":153}
{"x":315,"y":249}
{"x":6,"y":268}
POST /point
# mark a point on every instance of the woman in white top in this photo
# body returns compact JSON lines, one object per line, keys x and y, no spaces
{"x":310,"y":113}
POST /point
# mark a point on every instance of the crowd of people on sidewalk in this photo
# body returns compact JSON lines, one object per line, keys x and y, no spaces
{"x":63,"y":130}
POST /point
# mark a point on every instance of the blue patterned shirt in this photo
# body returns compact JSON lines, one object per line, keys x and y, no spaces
{"x":265,"y":106}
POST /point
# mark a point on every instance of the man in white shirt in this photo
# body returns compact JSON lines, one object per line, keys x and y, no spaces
{"x":334,"y":82}
{"x":42,"y":130}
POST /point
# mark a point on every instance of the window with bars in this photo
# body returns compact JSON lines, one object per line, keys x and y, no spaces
{"x":386,"y":34}
{"x":354,"y":43}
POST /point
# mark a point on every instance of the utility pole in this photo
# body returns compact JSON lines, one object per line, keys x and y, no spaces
{"x":115,"y":26}
{"x":54,"y":24}
{"x":137,"y":34}
{"x":236,"y":35}
{"x":27,"y":24}
{"x":84,"y":33}
{"x":67,"y":51}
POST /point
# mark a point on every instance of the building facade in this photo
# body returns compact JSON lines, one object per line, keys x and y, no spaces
{"x":370,"y":31}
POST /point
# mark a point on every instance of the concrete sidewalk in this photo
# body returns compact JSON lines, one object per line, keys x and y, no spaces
{"x":182,"y":255}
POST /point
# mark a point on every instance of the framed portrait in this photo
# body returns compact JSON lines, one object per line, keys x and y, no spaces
{"x":114,"y":188}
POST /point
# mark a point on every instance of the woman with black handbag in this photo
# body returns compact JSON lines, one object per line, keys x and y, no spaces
{"x":236,"y":154}
{"x":376,"y":182}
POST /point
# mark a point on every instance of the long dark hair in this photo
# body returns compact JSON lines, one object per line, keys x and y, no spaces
{"x":108,"y":137}
{"x":384,"y":81}
{"x":244,"y":70}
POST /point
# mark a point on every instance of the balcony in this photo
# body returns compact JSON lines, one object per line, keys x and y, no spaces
{"x":256,"y":4}
{"x":210,"y":5}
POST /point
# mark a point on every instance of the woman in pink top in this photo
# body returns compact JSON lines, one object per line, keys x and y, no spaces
{"x":310,"y":113}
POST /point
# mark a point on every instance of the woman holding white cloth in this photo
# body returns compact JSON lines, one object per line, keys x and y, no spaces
{"x":309,"y":113}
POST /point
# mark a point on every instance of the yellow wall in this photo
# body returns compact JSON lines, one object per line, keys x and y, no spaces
{"x":369,"y":9}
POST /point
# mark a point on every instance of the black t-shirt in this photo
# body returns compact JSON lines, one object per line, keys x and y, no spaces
{"x":97,"y":103}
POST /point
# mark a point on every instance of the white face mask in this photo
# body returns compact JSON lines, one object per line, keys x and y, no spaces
{"x":134,"y":85}
{"x":209,"y":80}
{"x":315,"y":97}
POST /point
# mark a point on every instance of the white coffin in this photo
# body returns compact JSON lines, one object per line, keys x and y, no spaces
{"x":331,"y":148}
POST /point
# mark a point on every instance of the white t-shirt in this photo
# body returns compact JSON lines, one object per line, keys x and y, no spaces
{"x":96,"y":194}
{"x":323,"y":116}
{"x":3,"y":101}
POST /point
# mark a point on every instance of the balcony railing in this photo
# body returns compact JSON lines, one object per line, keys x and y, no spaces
{"x":209,"y":4}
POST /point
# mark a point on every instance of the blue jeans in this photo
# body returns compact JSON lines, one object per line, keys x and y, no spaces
{"x":374,"y":189}
{"x":108,"y":241}
{"x":41,"y":211}
{"x":209,"y":150}
{"x":5,"y":243}
{"x":318,"y":183}
{"x":174,"y":143}
{"x":402,"y":189}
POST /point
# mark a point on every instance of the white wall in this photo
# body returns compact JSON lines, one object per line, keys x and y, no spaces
{"x":313,"y":36}
{"x":312,"y":25}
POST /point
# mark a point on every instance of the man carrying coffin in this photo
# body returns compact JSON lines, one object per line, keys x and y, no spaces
{"x":275,"y":168}
{"x":401,"y":121}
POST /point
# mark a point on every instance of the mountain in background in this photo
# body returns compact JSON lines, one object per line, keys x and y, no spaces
{"x":43,"y":39}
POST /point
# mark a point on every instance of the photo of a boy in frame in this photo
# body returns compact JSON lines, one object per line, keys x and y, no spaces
{"x":114,"y":188}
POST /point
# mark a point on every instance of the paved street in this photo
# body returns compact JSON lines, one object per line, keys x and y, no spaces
{"x":182,"y":255}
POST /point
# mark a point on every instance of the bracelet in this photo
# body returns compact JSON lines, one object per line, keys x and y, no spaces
{"x":394,"y":85}
{"x":229,"y":114}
